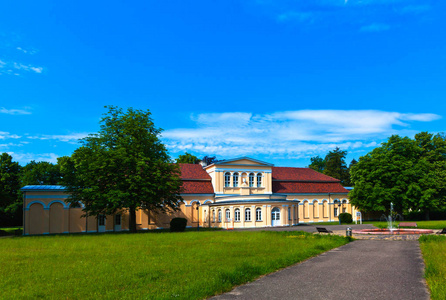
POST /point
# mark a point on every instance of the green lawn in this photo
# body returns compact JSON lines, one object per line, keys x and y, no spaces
{"x":433,"y":248}
{"x":189,"y":265}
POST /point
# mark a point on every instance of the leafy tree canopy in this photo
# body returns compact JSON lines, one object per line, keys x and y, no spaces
{"x":9,"y":190}
{"x":209,"y":159}
{"x":36,"y":173}
{"x":317,"y":164}
{"x":411,"y":173}
{"x":187,"y":158}
{"x":123,"y":167}
{"x":332,"y":165}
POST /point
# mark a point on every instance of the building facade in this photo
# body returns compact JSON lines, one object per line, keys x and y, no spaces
{"x":236,"y":193}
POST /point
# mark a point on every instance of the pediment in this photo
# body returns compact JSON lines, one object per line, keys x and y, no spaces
{"x":243,"y":161}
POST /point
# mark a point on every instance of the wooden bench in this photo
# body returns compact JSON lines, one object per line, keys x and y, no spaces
{"x":407,"y":224}
{"x":323,"y":230}
{"x":442,"y":232}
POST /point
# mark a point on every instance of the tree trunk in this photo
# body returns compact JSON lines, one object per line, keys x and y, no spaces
{"x":132,"y":220}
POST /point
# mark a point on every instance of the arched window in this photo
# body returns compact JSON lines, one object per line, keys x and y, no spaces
{"x":251,"y":179}
{"x":227,"y":179}
{"x":325,"y":208}
{"x":235,"y":179}
{"x":213,"y":216}
{"x":248,"y":214}
{"x":258,"y":214}
{"x":306,"y":209}
{"x":228,"y":215}
{"x":259,"y":179}
{"x":344,"y":206}
{"x":205,"y":215}
{"x":219,"y":215}
{"x":237,"y":215}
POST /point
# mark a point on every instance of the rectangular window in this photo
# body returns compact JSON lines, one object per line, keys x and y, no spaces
{"x":101,"y":220}
{"x":335,"y":211}
{"x":289,"y":213}
{"x":117,"y":219}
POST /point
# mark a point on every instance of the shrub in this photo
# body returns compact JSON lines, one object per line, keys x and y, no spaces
{"x":178,"y":224}
{"x":346,"y":218}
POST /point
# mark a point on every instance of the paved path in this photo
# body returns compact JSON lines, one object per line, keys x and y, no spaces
{"x":363,"y":269}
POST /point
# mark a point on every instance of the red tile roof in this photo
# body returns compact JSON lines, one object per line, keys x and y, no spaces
{"x":195,"y":180}
{"x":285,"y":187}
{"x":304,"y":180}
{"x":197,"y":187}
{"x":299,"y":174}
{"x":193,"y":171}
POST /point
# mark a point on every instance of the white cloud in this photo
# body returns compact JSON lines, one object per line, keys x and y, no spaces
{"x":71,"y":138}
{"x":26,"y":51}
{"x":375,"y":27}
{"x":14,"y":68}
{"x":14,"y":111}
{"x":28,"y":68}
{"x":6,"y":135}
{"x":11,"y":145}
{"x":24,"y":158}
{"x":290,"y":133}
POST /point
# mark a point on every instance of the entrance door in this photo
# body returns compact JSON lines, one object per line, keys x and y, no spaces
{"x":101,"y":223}
{"x":275,"y":217}
{"x":118,"y":222}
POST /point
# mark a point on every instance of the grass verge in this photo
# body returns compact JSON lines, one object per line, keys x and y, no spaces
{"x":10,"y":231}
{"x":433,"y":248}
{"x":189,"y":265}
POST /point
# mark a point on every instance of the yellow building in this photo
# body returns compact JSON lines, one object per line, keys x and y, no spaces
{"x":236,"y":193}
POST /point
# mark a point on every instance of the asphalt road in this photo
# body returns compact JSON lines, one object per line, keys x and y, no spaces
{"x":363,"y":269}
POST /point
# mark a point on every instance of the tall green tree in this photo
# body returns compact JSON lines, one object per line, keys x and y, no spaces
{"x":335,"y":165}
{"x":317,"y":164}
{"x":38,"y":173}
{"x":10,"y":200}
{"x":187,"y":158}
{"x":123,"y":166}
{"x":409,"y":173}
{"x":332,"y":165}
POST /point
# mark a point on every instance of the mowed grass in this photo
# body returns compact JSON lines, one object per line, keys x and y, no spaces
{"x":189,"y":265}
{"x":433,"y":248}
{"x":421,"y":224}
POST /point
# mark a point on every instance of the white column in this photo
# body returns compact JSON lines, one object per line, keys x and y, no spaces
{"x":268,"y":216}
{"x":242,"y":215}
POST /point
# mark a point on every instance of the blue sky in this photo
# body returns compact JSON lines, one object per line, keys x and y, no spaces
{"x":279,"y":81}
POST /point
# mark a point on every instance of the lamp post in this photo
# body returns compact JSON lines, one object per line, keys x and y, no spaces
{"x":198,"y":216}
{"x":338,"y":204}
